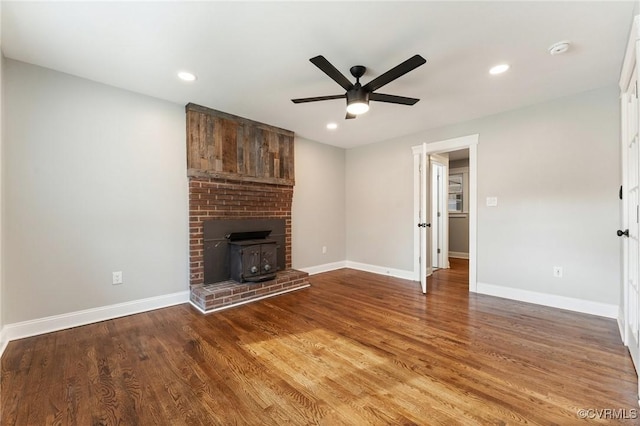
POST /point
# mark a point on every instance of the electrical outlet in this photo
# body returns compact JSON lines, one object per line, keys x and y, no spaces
{"x":324,"y":249}
{"x":117,"y":277}
{"x":557,"y":271}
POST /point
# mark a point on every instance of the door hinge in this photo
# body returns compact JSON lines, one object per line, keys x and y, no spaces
{"x":438,"y":251}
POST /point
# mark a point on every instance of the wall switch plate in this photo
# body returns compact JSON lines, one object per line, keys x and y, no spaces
{"x":492,"y":201}
{"x":324,"y":249}
{"x":557,"y":271}
{"x":117,"y":277}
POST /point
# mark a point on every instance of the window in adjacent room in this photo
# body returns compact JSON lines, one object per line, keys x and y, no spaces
{"x":456,"y":193}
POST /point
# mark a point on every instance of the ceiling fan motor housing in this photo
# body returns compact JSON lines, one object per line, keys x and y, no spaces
{"x":357,"y":94}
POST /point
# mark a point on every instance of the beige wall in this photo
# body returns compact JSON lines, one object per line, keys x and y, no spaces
{"x":94,"y":181}
{"x":459,"y":234}
{"x":555,"y":170}
{"x":379,"y":207}
{"x":318,"y":205}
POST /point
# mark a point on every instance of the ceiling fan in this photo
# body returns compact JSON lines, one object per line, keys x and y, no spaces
{"x":358,"y":96}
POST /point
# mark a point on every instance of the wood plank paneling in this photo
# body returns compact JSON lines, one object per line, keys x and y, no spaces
{"x":353,"y":349}
{"x":225,"y":146}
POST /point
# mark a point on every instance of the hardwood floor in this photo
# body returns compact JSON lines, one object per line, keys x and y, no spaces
{"x":354,"y":349}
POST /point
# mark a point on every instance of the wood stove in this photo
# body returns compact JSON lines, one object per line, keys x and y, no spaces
{"x":221,"y":237}
{"x":252,"y":257}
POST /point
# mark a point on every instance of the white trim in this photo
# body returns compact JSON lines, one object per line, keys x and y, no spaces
{"x":244,"y":302}
{"x":473,"y":216}
{"x":458,"y":255}
{"x":620,"y":321}
{"x":381,"y":270}
{"x":88,"y":316}
{"x":453,"y":145}
{"x":327,"y":267}
{"x":3,"y":340}
{"x":551,"y":300}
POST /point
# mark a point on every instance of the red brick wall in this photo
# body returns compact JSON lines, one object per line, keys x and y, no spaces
{"x":223,"y":199}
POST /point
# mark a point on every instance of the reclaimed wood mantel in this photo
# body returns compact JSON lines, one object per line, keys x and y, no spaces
{"x":225,"y":146}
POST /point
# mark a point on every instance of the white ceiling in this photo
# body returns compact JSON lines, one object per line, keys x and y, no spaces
{"x":251,"y":58}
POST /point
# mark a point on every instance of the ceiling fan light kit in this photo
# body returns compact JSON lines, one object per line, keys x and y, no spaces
{"x":357,"y":100}
{"x":357,"y":107}
{"x":357,"y":95}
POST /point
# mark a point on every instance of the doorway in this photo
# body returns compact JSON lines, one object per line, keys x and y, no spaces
{"x":422,"y":190}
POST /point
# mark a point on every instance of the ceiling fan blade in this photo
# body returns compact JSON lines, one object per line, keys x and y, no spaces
{"x":350,"y":116}
{"x":392,"y":99}
{"x":395,"y":72}
{"x":326,"y":67}
{"x":318,"y":98}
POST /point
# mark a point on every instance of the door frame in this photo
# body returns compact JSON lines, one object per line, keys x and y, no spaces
{"x":464,"y":142}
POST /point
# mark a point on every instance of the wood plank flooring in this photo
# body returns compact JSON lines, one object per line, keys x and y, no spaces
{"x":354,"y":349}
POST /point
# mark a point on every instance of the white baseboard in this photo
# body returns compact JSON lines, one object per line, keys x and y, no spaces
{"x":74,"y":319}
{"x":327,"y":267}
{"x":397,"y":273}
{"x":621,"y":326}
{"x":3,"y":340}
{"x":551,"y":300}
{"x":458,"y":255}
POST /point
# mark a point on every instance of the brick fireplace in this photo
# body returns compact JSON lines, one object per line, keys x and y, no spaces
{"x":237,"y":169}
{"x":218,"y":199}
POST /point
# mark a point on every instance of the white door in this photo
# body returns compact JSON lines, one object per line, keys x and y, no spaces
{"x":439,"y":210}
{"x":630,"y":219}
{"x":630,"y":191}
{"x":423,"y":214}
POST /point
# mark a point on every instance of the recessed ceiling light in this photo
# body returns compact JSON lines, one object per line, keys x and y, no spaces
{"x":186,"y":76}
{"x":332,"y":126}
{"x":499,"y":69}
{"x":559,"y":47}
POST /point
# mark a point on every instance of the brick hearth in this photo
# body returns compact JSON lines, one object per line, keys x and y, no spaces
{"x":214,"y":297}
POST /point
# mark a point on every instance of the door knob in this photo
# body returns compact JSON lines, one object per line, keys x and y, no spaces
{"x":621,"y":233}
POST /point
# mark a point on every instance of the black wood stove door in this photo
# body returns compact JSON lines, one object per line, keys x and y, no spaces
{"x":253,"y":260}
